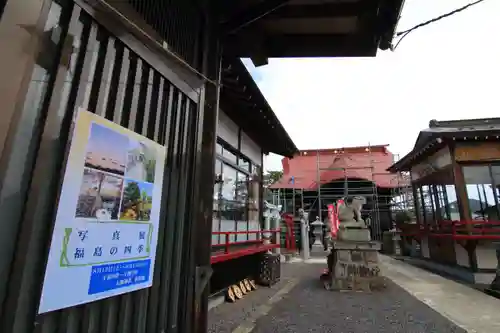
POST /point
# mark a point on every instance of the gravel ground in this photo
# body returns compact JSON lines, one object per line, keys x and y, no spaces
{"x":310,"y":308}
{"x":228,"y":316}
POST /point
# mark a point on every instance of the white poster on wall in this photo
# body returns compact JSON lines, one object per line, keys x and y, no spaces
{"x":106,"y":227}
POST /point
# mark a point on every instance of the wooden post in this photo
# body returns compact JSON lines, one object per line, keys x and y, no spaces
{"x":461,"y":190}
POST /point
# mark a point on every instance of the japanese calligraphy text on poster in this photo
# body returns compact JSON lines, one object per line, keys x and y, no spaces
{"x":105,"y":233}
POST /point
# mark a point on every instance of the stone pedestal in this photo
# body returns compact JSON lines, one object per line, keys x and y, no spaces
{"x":358,"y":234}
{"x":392,"y":242}
{"x":354,"y":265}
{"x":396,"y":238}
{"x":387,"y":243}
{"x":494,"y":288}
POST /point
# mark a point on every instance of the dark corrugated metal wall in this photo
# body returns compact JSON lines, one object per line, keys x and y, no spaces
{"x":96,"y":71}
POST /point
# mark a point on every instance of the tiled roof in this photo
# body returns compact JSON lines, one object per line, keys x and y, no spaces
{"x":431,"y":138}
{"x":457,"y":128}
{"x":306,"y":170}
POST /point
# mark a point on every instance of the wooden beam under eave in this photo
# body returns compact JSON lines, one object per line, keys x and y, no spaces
{"x":251,"y":15}
{"x":322,"y":10}
{"x":368,"y":21}
{"x":260,"y":61}
{"x":301,"y":45}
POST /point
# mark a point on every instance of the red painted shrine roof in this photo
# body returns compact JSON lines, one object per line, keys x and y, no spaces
{"x":305,"y":170}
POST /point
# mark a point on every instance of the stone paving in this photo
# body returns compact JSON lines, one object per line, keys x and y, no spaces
{"x":298,"y":303}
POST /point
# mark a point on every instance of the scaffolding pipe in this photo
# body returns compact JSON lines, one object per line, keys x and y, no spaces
{"x":384,"y":203}
{"x":279,"y":197}
{"x":318,"y":175}
{"x":302,"y":199}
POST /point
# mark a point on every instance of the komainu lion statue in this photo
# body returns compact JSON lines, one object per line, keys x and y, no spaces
{"x":350,"y":213}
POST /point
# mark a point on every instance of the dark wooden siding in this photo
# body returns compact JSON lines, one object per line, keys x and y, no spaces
{"x":172,"y":20}
{"x":83,"y":65}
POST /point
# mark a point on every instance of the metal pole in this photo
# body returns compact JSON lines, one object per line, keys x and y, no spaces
{"x":284,"y":200}
{"x":302,"y":198}
{"x":279,"y":197}
{"x":319,"y":183}
{"x":346,"y":184}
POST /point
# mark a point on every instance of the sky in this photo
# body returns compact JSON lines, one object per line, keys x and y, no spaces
{"x":106,"y":142}
{"x":447,"y":70}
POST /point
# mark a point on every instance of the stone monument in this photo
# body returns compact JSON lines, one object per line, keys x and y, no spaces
{"x":353,"y":260}
{"x":304,"y":233}
{"x":351,"y":225}
{"x":272,"y":220}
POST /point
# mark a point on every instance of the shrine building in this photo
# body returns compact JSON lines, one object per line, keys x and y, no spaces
{"x":455,"y":180}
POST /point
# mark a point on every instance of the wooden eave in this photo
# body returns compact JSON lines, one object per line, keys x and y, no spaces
{"x":308,"y":28}
{"x":244,"y":103}
{"x":437,"y":141}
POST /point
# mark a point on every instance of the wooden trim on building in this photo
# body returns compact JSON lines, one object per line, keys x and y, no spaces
{"x":431,"y":164}
{"x":477,"y":152}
